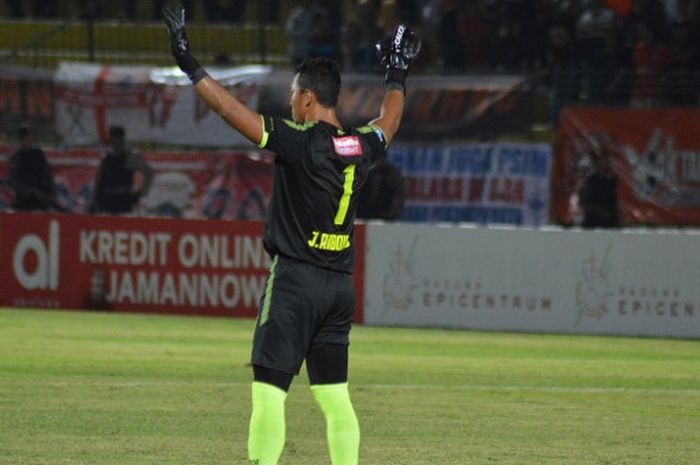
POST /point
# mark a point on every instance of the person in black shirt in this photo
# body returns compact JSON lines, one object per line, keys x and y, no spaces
{"x":382,"y":197}
{"x":114,"y":190}
{"x":30,"y":176}
{"x":308,"y":304}
{"x":598,"y":194}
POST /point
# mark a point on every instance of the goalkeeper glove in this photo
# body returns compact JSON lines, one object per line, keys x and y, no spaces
{"x":179,"y":45}
{"x":396,"y":53}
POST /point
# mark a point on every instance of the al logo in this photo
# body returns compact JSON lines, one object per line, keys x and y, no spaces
{"x":594,"y":290}
{"x":400,"y":282}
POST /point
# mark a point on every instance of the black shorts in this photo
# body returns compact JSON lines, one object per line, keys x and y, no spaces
{"x":303,"y":306}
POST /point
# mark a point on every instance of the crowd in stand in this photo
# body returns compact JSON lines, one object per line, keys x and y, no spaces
{"x":638,"y":52}
{"x":642,"y":52}
{"x":227,"y":11}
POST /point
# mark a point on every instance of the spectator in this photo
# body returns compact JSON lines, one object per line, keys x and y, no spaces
{"x":453,"y":57}
{"x":45,"y":8}
{"x":387,"y":17}
{"x":682,"y":38}
{"x":217,"y":13}
{"x":131,"y":7}
{"x":473,"y":34}
{"x":408,"y":12}
{"x":313,"y":30}
{"x":324,"y":40}
{"x":594,"y":31}
{"x":620,"y":7}
{"x":91,"y":8}
{"x":30,"y":176}
{"x":361,"y":33}
{"x":14,"y":8}
{"x":114,"y":185}
{"x":534,"y":17}
{"x":298,"y":28}
{"x":268,"y":11}
{"x":623,"y":54}
{"x":562,"y":58}
{"x":652,"y":14}
{"x":505,"y":34}
{"x":598,"y":194}
{"x":382,"y":196}
{"x":652,"y":59}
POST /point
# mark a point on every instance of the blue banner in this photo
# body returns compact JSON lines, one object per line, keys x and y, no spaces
{"x":475,"y":182}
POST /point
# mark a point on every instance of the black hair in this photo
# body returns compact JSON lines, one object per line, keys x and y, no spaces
{"x":24,"y":131}
{"x":117,"y":131}
{"x":322,"y":77}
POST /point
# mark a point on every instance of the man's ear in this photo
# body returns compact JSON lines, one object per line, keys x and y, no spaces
{"x":309,"y":97}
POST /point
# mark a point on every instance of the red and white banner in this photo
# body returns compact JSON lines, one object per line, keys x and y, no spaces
{"x":655,"y":155}
{"x":129,"y":264}
{"x":214,"y":185}
{"x":152,"y":104}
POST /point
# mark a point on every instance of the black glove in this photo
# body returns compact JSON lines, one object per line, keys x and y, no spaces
{"x":396,"y":53}
{"x":179,"y":45}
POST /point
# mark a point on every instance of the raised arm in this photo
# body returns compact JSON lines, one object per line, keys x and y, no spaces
{"x":396,"y":54}
{"x":237,"y":115}
{"x":389,"y":118}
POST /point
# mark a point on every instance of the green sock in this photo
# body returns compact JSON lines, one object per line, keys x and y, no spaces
{"x":266,"y":433}
{"x":342,"y":429}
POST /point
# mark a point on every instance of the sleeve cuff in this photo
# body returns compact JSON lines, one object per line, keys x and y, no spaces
{"x":265,"y":134}
{"x":384,"y":139}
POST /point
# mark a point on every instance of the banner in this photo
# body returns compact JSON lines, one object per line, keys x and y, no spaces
{"x":26,"y":97}
{"x":589,"y":282}
{"x":152,"y":104}
{"x":194,"y":267}
{"x":654,"y":153}
{"x":160,"y":105}
{"x":212,"y":185}
{"x":481,"y":183}
{"x":454,"y":107}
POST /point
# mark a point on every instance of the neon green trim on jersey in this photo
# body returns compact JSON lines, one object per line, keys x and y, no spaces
{"x":265,"y":134}
{"x":299,"y":127}
{"x":265,"y":313}
{"x":347,"y":192}
{"x":371,"y":128}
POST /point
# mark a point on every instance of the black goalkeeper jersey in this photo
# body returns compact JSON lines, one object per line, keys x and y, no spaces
{"x":318,"y":171}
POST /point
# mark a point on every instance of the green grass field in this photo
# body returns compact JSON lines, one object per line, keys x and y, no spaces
{"x":102,"y":389}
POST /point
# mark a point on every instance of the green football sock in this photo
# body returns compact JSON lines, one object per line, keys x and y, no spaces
{"x":342,"y":429}
{"x":266,"y":433}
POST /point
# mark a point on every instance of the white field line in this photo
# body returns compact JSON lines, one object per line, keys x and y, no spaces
{"x":459,"y":387}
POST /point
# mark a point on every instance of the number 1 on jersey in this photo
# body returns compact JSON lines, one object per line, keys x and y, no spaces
{"x":349,"y":172}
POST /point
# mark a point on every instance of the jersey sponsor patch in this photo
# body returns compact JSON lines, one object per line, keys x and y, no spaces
{"x":348,"y":146}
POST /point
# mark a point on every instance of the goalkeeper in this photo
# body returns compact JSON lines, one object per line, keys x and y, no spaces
{"x":307,"y":309}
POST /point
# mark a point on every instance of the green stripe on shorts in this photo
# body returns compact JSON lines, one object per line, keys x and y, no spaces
{"x":264,"y":314}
